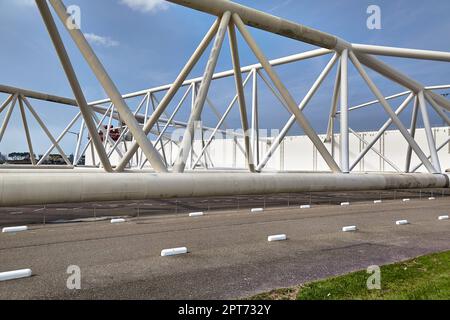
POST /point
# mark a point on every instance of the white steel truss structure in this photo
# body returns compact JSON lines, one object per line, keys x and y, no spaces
{"x":151,"y":117}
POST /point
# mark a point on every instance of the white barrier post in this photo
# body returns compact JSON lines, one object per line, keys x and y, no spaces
{"x":16,"y":274}
{"x":173,"y":251}
{"x":115,"y":221}
{"x":196,"y":214}
{"x":14,"y":229}
{"x":278,"y":237}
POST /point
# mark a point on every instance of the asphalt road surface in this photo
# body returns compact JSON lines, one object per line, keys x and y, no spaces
{"x":76,"y":212}
{"x":229,"y":255}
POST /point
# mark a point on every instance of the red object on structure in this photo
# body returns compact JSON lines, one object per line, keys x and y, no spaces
{"x":114,"y":133}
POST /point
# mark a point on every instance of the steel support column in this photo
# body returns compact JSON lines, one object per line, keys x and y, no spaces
{"x":27,"y":132}
{"x":392,"y":114}
{"x":255,"y":117}
{"x":250,"y":157}
{"x":428,"y":131}
{"x":6,"y":102}
{"x":7,"y":117}
{"x":381,"y":131}
{"x":301,"y":107}
{"x":188,"y":137}
{"x":334,"y":105}
{"x":73,"y":81}
{"x":125,"y":113}
{"x":438,"y":109}
{"x":47,"y":132}
{"x":398,"y":77}
{"x":301,"y":119}
{"x":172,"y":91}
{"x":221,"y":121}
{"x":344,"y":140}
{"x":412,"y":131}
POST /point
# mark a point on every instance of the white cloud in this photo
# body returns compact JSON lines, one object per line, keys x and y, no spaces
{"x":279,"y":6}
{"x":99,"y":40}
{"x":146,"y":6}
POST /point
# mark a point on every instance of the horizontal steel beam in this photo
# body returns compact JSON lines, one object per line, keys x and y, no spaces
{"x":228,"y":73}
{"x":37,"y":95}
{"x":219,"y":75}
{"x":27,"y":187}
{"x":402,"y":52}
{"x":265,"y":21}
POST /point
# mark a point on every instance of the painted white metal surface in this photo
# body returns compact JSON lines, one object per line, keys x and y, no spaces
{"x":257,"y":210}
{"x":173,"y":251}
{"x":16,"y":274}
{"x":225,"y":154}
{"x":14,"y":229}
{"x":116,"y":221}
{"x":318,"y":153}
{"x":196,"y":214}
{"x":86,"y":185}
{"x":278,"y":237}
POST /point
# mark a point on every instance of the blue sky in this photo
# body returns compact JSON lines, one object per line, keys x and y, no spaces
{"x":145,"y":43}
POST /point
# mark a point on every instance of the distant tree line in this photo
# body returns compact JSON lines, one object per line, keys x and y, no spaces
{"x":25,"y":158}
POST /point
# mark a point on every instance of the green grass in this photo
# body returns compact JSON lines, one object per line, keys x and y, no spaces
{"x":423,"y":278}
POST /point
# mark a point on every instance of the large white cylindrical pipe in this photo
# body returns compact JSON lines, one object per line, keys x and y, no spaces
{"x":26,"y":187}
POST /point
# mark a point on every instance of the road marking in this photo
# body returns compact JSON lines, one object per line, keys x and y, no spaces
{"x":173,"y":251}
{"x":16,"y":274}
{"x":349,"y":229}
{"x":16,"y":212}
{"x":14,"y":229}
{"x":278,"y":237}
